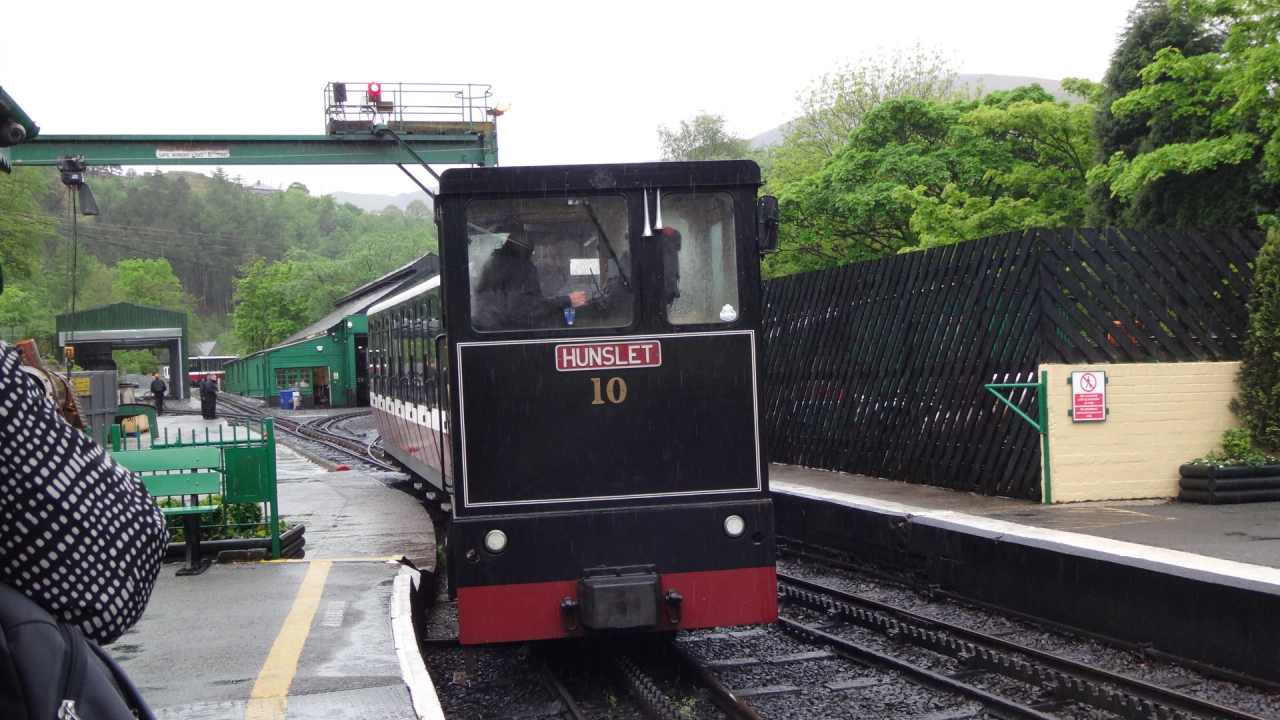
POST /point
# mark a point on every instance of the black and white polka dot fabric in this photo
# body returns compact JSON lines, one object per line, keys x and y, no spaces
{"x":78,"y":533}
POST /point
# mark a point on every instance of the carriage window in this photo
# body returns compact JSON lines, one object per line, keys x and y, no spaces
{"x":699,"y":258}
{"x":548,"y":263}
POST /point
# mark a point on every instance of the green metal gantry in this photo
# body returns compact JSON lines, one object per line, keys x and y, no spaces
{"x":372,"y":148}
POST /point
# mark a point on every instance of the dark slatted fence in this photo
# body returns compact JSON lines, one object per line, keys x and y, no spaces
{"x":878,"y":367}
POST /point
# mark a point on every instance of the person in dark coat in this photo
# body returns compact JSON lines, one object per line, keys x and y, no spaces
{"x":208,"y":397}
{"x":158,"y":389}
{"x":509,"y":293}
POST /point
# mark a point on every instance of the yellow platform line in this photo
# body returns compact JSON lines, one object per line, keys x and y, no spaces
{"x":386,"y":559}
{"x":269,"y":697}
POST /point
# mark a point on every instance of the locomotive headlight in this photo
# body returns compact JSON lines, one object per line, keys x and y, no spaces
{"x":734,"y":526}
{"x":495,"y":541}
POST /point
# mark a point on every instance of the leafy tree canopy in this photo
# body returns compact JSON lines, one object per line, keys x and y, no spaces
{"x":1218,"y":93}
{"x":702,"y":137}
{"x":917,"y":173}
{"x":23,"y":226}
{"x":836,"y":103}
{"x":151,"y":282}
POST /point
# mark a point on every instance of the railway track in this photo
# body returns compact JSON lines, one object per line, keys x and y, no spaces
{"x":836,"y":653}
{"x":316,"y":430}
{"x":982,"y":654}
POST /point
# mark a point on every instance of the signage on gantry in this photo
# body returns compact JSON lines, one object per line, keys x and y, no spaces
{"x":1089,"y":396}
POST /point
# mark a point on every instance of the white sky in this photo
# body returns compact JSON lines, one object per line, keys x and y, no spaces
{"x":587,"y":81}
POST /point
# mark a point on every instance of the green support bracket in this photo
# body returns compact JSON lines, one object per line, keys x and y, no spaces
{"x":1041,"y":425}
{"x":220,"y":150}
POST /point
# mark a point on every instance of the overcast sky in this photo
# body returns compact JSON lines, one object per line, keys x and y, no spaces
{"x":587,"y":81}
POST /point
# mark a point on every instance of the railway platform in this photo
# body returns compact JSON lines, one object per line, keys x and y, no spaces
{"x":295,"y":638}
{"x":1196,"y":583}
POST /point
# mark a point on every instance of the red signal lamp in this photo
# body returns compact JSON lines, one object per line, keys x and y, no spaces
{"x":374,"y":93}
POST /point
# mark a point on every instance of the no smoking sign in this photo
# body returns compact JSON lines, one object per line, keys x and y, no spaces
{"x":1089,"y":396}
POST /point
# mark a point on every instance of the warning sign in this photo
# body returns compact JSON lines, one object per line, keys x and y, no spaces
{"x":193,"y":152}
{"x":81,"y":385}
{"x":1089,"y":396}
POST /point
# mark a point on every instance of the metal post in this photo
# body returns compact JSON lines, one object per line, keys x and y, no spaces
{"x":268,"y":425}
{"x":1043,"y":399}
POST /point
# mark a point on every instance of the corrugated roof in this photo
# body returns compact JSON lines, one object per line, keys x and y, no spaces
{"x":351,"y":307}
{"x":122,"y":316}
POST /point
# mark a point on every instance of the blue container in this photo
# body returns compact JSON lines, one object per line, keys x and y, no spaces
{"x":287,"y":399}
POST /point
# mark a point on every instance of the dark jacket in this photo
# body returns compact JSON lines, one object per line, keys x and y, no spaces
{"x":509,"y":295}
{"x":208,"y":388}
{"x":158,"y":387}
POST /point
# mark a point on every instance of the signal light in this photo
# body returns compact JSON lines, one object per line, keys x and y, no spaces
{"x":374,"y":93}
{"x":339,"y":92}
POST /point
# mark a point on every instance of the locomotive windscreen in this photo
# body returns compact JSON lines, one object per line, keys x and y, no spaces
{"x":534,"y":262}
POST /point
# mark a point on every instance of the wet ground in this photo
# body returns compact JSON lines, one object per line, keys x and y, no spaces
{"x":318,"y":628}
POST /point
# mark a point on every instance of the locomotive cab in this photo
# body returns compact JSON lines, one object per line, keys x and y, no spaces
{"x":603,"y":409}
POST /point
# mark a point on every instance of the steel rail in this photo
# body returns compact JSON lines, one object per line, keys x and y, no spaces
{"x":997,"y":705}
{"x":1068,"y":679}
{"x":730,"y":704}
{"x":302,"y":430}
{"x":789,"y":547}
{"x":554,"y":683}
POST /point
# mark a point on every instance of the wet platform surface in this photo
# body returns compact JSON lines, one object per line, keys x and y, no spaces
{"x":289,"y":639}
{"x":1247,"y":533}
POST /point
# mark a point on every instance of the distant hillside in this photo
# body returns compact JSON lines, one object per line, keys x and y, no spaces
{"x":374,"y":203}
{"x":985,"y":83}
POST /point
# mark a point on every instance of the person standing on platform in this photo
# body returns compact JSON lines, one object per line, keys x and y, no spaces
{"x":209,"y":397}
{"x":158,"y":389}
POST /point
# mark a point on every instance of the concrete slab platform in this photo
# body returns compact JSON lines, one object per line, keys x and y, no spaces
{"x":318,"y":631}
{"x":1174,"y":578}
{"x":1248,"y":533}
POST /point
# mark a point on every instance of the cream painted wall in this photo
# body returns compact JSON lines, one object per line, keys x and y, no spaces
{"x":1162,"y":415}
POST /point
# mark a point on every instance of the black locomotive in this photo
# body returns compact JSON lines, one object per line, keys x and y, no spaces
{"x":582,"y":380}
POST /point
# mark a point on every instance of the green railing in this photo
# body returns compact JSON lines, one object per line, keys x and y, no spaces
{"x":1041,"y":425}
{"x":247,"y":465}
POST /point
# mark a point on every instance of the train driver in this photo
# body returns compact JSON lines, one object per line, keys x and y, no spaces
{"x":508,"y":295}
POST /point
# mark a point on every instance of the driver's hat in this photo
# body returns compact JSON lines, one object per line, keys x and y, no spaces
{"x":516,"y":234}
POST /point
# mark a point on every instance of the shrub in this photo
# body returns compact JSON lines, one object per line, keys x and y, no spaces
{"x":1236,"y":448}
{"x":1258,"y":406}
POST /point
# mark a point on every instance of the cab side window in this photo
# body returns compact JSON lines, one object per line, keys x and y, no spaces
{"x":699,"y":258}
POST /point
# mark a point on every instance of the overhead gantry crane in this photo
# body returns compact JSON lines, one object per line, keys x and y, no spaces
{"x":380,"y":124}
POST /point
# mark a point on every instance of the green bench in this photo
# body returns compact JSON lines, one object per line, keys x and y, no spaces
{"x":180,"y":472}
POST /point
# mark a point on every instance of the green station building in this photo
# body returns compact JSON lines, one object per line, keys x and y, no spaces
{"x":325,"y":362}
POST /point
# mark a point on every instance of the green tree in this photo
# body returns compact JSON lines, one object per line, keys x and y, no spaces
{"x":151,"y":282}
{"x":267,"y":312}
{"x":1052,"y":148}
{"x":836,"y":103}
{"x":24,"y":313}
{"x":702,"y":137}
{"x":94,"y":281}
{"x":925,"y":172}
{"x":24,"y":227}
{"x":418,"y":210}
{"x":1258,"y":405}
{"x":1222,"y":105}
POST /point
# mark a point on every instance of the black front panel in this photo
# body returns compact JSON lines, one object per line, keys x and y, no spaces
{"x":545,"y":547}
{"x":532,"y":432}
